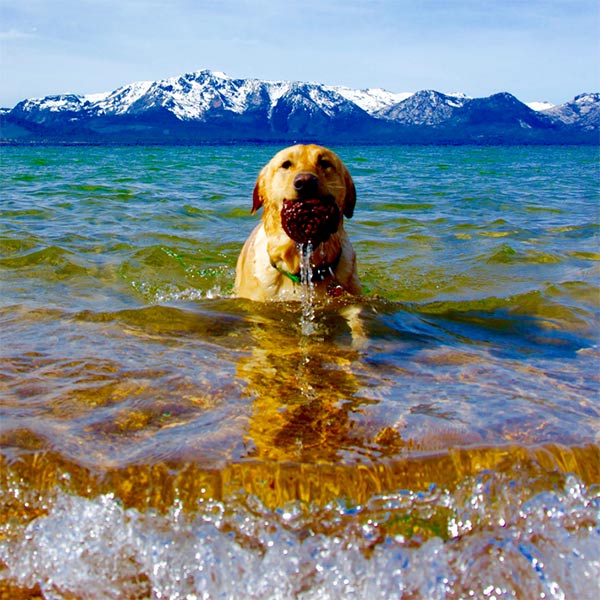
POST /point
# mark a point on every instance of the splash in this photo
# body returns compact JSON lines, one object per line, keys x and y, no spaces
{"x":492,"y":537}
{"x":169,"y":292}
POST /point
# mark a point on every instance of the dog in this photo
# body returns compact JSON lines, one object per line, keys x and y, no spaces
{"x":305,"y":192}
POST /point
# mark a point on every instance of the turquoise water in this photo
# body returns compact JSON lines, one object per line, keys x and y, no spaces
{"x":159,"y":435}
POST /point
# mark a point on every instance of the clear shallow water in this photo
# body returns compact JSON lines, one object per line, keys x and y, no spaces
{"x":163,"y":439}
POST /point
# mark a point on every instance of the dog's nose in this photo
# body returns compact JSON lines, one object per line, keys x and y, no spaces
{"x":306,"y":183}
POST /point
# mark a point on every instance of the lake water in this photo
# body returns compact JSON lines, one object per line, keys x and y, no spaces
{"x":162,"y":439}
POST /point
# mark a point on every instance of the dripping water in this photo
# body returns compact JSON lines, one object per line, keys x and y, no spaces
{"x":308,"y":326}
{"x":307,"y":291}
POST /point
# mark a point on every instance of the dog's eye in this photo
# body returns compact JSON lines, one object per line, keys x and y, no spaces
{"x":325,"y":164}
{"x":286,"y":164}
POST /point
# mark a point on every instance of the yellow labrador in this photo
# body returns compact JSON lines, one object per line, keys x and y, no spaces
{"x":306,"y":191}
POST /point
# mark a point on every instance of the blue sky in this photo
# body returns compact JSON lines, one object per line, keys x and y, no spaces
{"x":536,"y":49}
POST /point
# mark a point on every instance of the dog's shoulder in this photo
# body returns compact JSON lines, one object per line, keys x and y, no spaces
{"x":256,"y":278}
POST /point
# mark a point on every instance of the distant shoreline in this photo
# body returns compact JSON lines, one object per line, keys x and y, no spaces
{"x":284,"y":142}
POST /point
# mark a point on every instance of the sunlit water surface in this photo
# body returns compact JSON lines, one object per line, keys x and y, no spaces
{"x":162,"y":439}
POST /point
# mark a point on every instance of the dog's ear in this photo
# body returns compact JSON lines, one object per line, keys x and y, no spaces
{"x":257,"y":195}
{"x":350,"y":199}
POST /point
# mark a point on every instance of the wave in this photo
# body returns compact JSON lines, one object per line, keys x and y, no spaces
{"x":527,"y":529}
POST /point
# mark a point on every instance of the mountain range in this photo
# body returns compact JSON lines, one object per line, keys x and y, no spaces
{"x":210,"y":107}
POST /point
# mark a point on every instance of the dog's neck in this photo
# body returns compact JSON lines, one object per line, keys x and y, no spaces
{"x":319,"y":273}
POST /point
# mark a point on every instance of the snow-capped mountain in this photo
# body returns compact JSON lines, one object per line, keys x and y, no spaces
{"x":194,"y":96}
{"x":583,"y":111}
{"x":424,"y":108}
{"x":207,"y":106}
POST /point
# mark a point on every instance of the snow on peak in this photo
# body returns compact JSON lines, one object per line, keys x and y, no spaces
{"x":371,"y":100}
{"x":121,"y":100}
{"x":62,"y":103}
{"x":94,"y":98}
{"x":220,"y":75}
{"x":587,"y":98}
{"x":539,"y":106}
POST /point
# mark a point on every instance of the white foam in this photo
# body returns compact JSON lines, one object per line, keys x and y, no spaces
{"x":507,"y":543}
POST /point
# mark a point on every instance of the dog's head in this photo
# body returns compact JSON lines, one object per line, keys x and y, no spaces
{"x":306,"y":191}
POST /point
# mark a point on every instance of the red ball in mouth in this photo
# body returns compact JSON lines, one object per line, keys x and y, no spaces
{"x":310,"y":221}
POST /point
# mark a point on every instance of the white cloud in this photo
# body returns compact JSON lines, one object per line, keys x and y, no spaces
{"x":16,"y":34}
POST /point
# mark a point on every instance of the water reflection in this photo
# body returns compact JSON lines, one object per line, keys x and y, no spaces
{"x":306,"y":390}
